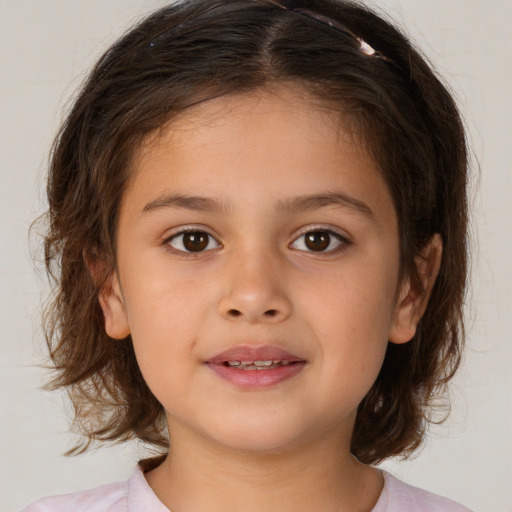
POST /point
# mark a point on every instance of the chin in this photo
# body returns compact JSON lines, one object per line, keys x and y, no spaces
{"x":259,"y":437}
{"x":262,"y":445}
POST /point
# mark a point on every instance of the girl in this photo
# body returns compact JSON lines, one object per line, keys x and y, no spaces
{"x":257,"y":224}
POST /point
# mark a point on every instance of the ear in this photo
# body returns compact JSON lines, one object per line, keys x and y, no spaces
{"x":110,"y":296}
{"x":114,"y":309}
{"x":413,"y":300}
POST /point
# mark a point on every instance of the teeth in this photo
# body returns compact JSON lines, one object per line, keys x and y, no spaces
{"x":257,"y":365}
{"x":263,"y":363}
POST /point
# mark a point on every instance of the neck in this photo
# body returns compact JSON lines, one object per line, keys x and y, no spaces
{"x":204,"y":476}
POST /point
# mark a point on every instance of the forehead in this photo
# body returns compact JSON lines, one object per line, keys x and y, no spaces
{"x":277,"y":144}
{"x":286,"y":103}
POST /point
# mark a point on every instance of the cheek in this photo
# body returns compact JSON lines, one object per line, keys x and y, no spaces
{"x":163,"y":315}
{"x":352,"y":318}
{"x":162,"y":301}
{"x":359,"y":300}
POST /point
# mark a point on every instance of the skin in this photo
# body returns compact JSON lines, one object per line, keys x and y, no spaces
{"x":284,"y":447}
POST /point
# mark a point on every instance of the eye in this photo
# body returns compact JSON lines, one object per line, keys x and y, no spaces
{"x":319,"y":240}
{"x":193,"y":241}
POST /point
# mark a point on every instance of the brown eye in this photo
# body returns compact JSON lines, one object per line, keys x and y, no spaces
{"x":319,"y":241}
{"x":193,"y":241}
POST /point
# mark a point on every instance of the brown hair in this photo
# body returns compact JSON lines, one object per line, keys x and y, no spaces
{"x":197,"y":50}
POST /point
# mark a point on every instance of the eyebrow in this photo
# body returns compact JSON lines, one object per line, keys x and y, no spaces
{"x":196,"y":203}
{"x":285,"y":206}
{"x":315,"y":201}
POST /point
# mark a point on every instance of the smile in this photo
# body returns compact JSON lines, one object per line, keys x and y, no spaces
{"x":257,"y":365}
{"x":254,"y":367}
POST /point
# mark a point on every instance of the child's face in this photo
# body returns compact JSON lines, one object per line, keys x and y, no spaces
{"x":291,"y":253}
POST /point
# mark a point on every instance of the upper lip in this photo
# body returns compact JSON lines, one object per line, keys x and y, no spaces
{"x":253,"y":353}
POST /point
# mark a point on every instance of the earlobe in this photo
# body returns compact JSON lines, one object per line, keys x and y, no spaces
{"x":412,"y":301}
{"x":113,"y":307}
{"x":110,"y":296}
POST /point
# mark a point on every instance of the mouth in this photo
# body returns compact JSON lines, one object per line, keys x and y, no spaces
{"x":252,"y":367}
{"x":269,"y":364}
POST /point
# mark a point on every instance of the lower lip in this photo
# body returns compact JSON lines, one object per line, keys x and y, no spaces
{"x":256,"y":379}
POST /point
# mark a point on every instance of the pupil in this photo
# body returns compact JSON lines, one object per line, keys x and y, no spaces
{"x":318,"y":240}
{"x":195,"y":241}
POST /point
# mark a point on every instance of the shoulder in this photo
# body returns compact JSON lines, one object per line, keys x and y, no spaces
{"x":107,"y":498}
{"x":397,"y":496}
{"x":132,"y":495}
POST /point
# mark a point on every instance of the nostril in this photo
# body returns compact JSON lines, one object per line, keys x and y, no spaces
{"x":269,"y":314}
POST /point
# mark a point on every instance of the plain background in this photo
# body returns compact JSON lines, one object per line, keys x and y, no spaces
{"x":46,"y":46}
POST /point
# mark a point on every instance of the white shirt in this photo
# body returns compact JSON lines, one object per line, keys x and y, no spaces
{"x":135,"y":495}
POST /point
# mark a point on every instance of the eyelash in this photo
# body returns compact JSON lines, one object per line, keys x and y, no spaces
{"x":190,"y":230}
{"x":343,"y":242}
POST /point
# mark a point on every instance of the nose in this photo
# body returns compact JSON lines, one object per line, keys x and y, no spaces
{"x":255,"y":291}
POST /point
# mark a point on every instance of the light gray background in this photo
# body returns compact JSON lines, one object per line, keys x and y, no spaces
{"x":45,"y":48}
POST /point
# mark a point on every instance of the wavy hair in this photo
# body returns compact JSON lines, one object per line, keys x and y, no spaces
{"x":197,"y":50}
